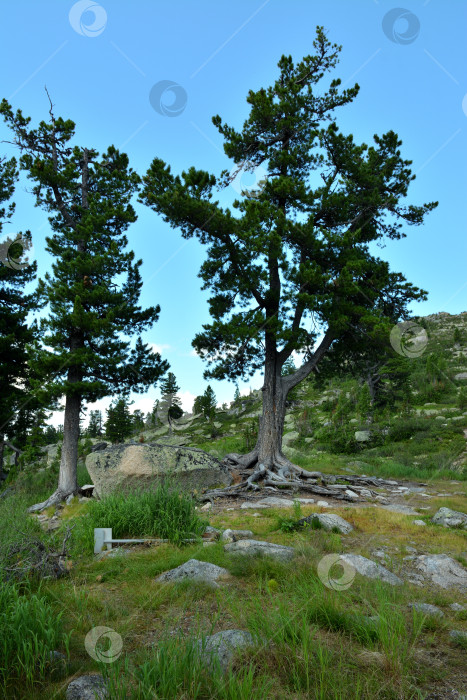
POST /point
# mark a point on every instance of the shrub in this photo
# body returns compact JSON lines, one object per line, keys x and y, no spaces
{"x":30,"y":631}
{"x":403,"y":429}
{"x":164,"y":512}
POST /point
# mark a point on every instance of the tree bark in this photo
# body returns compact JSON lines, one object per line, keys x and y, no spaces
{"x":67,"y":478}
{"x":271,"y":424}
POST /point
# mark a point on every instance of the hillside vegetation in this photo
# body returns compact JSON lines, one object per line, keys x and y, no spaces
{"x":309,"y":640}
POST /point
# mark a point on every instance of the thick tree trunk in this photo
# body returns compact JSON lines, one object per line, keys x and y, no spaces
{"x":271,"y":424}
{"x":67,"y":478}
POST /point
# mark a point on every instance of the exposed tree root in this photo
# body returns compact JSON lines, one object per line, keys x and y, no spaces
{"x":281,"y":473}
{"x":57,"y":497}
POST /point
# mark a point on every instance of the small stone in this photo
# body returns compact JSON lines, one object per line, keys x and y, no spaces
{"x":234,"y":535}
{"x":252,"y":505}
{"x":305,"y":501}
{"x":458,"y":636}
{"x":273,"y":502}
{"x":323,"y":504}
{"x":370,"y":569}
{"x":427,"y":609}
{"x":207,"y":506}
{"x":362,"y":435}
{"x":196,"y":571}
{"x":211,"y":533}
{"x":421,"y":523}
{"x":87,"y":688}
{"x":457,"y":607}
{"x":450,"y":518}
{"x":221,"y":647}
{"x":257,"y":547}
{"x":351,"y":494}
{"x":382,"y":499}
{"x":329,"y":521}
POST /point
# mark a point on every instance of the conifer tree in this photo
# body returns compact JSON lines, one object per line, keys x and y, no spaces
{"x":16,"y":272}
{"x":292,"y":267}
{"x":209,"y":403}
{"x":119,"y":424}
{"x":170,"y":406}
{"x":94,"y":287}
{"x":94,"y":428}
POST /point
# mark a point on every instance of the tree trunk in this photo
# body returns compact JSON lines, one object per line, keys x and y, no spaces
{"x":67,"y":479}
{"x":271,"y":424}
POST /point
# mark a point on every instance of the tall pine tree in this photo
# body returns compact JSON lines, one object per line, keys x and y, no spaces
{"x":95,"y":283}
{"x":292,"y":267}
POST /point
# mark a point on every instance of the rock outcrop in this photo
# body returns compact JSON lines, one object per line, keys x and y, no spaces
{"x":450,"y":518}
{"x":130,"y":467}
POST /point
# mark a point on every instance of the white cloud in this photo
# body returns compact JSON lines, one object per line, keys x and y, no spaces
{"x":187,"y":399}
{"x":160,"y":348}
{"x":143,"y":404}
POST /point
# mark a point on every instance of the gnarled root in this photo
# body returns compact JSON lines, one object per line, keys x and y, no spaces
{"x":281,"y":473}
{"x":57,"y":497}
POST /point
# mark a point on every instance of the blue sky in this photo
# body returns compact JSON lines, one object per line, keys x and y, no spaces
{"x":100,"y":65}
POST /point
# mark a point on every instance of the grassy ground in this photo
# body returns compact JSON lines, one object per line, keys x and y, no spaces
{"x":310,"y":641}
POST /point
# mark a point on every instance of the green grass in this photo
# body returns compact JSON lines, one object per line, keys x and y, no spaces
{"x":30,"y":631}
{"x":175,"y":669}
{"x":164,"y":513}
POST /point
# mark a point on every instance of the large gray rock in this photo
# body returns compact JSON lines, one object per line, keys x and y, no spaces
{"x":442,"y":570}
{"x":256,"y":547}
{"x":221,"y":647}
{"x":194,"y":570}
{"x":87,"y":688}
{"x":450,"y":518}
{"x":370,"y":569}
{"x":329,"y":521}
{"x":51,"y":453}
{"x":136,"y":466}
